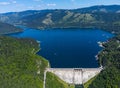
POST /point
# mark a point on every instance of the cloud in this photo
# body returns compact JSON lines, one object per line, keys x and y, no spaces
{"x":30,"y":7}
{"x":14,"y":2}
{"x":51,"y":4}
{"x":37,"y":0}
{"x":4,"y":3}
{"x":8,"y":3}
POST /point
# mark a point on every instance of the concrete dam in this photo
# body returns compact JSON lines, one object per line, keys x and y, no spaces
{"x":75,"y":76}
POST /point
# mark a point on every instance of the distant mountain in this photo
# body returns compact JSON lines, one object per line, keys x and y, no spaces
{"x":103,"y":17}
{"x":13,"y":17}
{"x":100,"y":8}
{"x":7,"y":28}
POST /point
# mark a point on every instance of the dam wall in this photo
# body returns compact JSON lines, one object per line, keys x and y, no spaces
{"x":75,"y":76}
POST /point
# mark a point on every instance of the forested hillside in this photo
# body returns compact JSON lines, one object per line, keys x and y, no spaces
{"x":20,"y":67}
{"x":7,"y":28}
{"x":110,"y":59}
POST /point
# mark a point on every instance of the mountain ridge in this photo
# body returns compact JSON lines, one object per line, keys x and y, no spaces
{"x":101,"y":17}
{"x":102,"y":8}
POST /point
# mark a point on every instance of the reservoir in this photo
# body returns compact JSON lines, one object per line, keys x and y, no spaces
{"x":68,"y":48}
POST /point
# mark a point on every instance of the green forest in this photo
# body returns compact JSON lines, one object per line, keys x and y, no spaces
{"x":19,"y":65}
{"x":109,"y":57}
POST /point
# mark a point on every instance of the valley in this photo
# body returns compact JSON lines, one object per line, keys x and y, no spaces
{"x":22,"y":66}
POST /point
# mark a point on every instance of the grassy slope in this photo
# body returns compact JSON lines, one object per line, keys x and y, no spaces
{"x":86,"y":85}
{"x":53,"y":81}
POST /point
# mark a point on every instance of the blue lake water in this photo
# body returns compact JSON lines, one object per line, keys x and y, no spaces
{"x":68,"y":48}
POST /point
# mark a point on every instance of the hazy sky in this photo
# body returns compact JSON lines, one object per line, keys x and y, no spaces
{"x":20,"y":5}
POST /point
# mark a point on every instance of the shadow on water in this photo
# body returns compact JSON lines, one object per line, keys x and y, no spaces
{"x":79,"y":86}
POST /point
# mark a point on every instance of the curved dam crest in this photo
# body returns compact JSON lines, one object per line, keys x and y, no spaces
{"x":76,"y":76}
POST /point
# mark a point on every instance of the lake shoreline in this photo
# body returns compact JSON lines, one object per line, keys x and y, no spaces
{"x":10,"y":33}
{"x":54,"y":42}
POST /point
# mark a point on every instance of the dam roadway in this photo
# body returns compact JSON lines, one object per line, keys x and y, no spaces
{"x":76,"y":76}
